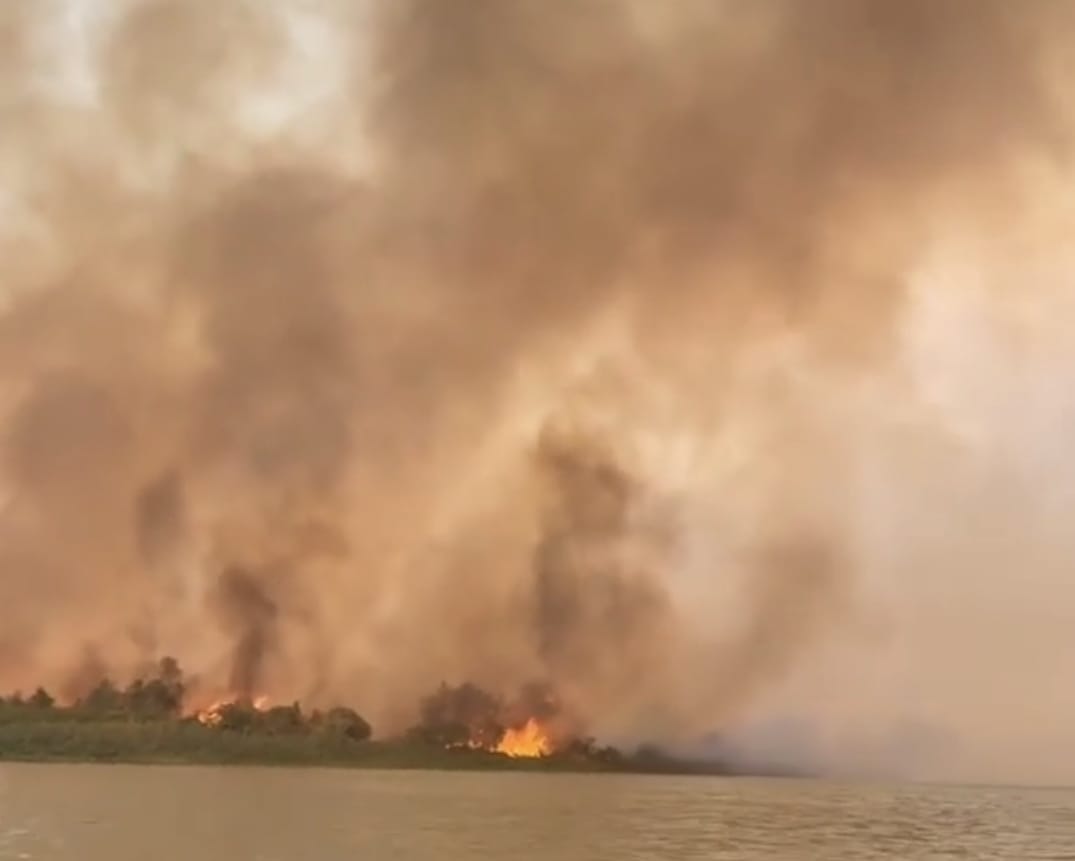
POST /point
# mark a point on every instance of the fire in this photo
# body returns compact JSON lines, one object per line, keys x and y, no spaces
{"x":211,"y":715}
{"x":529,"y":740}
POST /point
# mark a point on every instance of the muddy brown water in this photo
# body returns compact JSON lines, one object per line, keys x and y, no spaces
{"x":132,"y":813}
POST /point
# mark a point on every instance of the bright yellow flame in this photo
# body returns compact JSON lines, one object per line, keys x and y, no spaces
{"x":529,"y":740}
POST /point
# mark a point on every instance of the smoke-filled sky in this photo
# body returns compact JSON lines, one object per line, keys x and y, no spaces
{"x":708,"y":361}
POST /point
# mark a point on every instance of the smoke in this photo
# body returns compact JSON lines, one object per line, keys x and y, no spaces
{"x":349,"y":349}
{"x":160,"y":519}
{"x":88,"y":674}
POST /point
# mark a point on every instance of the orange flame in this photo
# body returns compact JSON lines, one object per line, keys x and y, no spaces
{"x":530,"y":740}
{"x":211,"y":715}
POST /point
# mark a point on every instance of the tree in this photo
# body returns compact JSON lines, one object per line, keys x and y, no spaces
{"x":168,"y":671}
{"x":171,"y":677}
{"x":41,"y":699}
{"x":237,"y":717}
{"x":345,"y":722}
{"x":133,"y":698}
{"x":157,"y":697}
{"x":458,"y":717}
{"x":282,"y":720}
{"x":105,"y":698}
{"x":581,"y":748}
{"x":152,"y":699}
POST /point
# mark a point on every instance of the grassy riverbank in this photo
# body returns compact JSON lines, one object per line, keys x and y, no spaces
{"x":50,"y":737}
{"x":188,"y":742}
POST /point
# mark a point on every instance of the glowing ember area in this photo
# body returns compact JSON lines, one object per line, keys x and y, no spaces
{"x":529,"y":740}
{"x":210,"y":716}
{"x":213,"y":715}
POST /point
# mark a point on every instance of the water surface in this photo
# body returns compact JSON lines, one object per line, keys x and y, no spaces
{"x":132,"y":813}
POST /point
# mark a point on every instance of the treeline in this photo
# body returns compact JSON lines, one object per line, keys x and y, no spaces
{"x":458,"y":727}
{"x":155,"y":698}
{"x":160,"y":698}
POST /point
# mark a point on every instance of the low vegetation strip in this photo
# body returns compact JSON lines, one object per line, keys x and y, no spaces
{"x":147,"y":722}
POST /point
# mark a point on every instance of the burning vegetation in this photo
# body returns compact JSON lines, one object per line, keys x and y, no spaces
{"x":594,"y":298}
{"x":164,"y":696}
{"x":466,"y":717}
{"x":465,"y":723}
{"x":529,"y":740}
{"x":217,"y":713}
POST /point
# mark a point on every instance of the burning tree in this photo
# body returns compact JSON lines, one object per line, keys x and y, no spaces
{"x":468,"y":717}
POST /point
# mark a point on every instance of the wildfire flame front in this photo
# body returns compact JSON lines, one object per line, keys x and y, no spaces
{"x":211,"y":715}
{"x":529,"y":740}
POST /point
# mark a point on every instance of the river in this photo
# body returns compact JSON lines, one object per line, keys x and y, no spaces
{"x":132,"y":813}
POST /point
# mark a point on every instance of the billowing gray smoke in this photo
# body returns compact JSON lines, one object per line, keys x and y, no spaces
{"x":349,"y":348}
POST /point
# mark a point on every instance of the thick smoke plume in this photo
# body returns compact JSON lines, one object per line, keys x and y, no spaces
{"x":248,"y":611}
{"x":346,"y":349}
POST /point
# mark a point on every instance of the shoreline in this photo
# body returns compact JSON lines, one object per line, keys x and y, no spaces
{"x":319,"y":765}
{"x":181,"y":744}
{"x":460,"y":729}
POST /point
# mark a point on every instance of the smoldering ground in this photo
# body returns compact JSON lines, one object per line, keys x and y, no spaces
{"x":512,"y":342}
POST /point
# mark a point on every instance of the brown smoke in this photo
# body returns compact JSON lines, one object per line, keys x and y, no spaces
{"x":246,"y":610}
{"x":445,"y":373}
